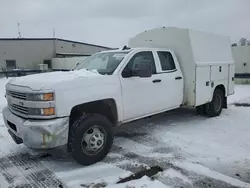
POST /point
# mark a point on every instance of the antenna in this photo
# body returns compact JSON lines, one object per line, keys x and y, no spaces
{"x":54,"y":33}
{"x":19,"y":30}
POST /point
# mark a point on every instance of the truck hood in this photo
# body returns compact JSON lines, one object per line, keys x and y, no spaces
{"x":50,"y":80}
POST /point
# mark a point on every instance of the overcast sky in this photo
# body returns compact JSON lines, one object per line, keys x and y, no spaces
{"x":113,"y":22}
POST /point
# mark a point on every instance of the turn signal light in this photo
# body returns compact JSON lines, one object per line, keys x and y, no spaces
{"x":48,"y":97}
{"x":48,"y":111}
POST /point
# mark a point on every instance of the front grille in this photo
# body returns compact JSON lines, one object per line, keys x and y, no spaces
{"x":17,"y":95}
{"x":14,"y":105}
{"x":19,"y":109}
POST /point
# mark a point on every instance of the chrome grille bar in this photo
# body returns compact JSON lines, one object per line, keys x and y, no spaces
{"x":20,"y":109}
{"x":17,"y":95}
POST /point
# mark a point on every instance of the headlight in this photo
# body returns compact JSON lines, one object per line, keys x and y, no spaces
{"x":41,"y":97}
{"x":41,"y":111}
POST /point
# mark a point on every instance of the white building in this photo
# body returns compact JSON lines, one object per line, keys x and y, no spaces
{"x":28,"y":53}
{"x":241,"y":55}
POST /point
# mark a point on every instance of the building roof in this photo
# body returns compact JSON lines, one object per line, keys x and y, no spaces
{"x":76,"y":42}
{"x":72,"y":54}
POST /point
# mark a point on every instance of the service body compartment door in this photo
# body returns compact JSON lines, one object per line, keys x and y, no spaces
{"x":219,"y":72}
{"x":203,"y":87}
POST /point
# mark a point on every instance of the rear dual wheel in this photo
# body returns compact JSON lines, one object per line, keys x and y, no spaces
{"x":201,"y":110}
{"x":213,"y":108}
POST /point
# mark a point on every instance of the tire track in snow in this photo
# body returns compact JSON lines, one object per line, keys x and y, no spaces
{"x":23,"y":170}
{"x":133,"y":156}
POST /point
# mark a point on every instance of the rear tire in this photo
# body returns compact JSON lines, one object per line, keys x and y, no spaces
{"x":91,"y":138}
{"x":201,"y":110}
{"x":214,"y":108}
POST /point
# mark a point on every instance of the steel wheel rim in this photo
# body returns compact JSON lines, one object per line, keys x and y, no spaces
{"x":93,"y":140}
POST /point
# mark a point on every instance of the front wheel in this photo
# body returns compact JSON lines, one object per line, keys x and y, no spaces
{"x":214,"y":108}
{"x":91,"y":138}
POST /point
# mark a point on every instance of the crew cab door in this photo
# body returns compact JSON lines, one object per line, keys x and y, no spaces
{"x":172,"y":84}
{"x":145,"y":96}
{"x":139,"y":93}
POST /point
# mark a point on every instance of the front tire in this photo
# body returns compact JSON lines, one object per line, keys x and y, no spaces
{"x":91,"y":138}
{"x":214,"y":108}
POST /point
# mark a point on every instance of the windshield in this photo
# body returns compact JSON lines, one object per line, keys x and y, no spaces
{"x":104,"y":63}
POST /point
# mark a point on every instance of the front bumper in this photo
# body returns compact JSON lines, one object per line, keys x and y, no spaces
{"x":37,"y":134}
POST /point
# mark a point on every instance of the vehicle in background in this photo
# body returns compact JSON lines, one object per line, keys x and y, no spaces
{"x":162,"y":70}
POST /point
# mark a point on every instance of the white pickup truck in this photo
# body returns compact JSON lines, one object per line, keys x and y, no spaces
{"x":162,"y":70}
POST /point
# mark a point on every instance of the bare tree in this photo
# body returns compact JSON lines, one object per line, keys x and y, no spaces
{"x":243,"y":42}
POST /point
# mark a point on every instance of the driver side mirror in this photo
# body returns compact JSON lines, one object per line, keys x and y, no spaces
{"x":143,"y":69}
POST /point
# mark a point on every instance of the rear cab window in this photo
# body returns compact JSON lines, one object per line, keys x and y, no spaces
{"x":166,"y":61}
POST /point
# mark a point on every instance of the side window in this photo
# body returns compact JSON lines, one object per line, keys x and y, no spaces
{"x":167,"y":61}
{"x":146,"y":56}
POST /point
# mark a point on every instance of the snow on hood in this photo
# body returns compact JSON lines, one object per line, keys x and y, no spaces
{"x":47,"y":80}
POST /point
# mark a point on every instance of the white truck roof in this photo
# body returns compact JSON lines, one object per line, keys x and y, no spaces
{"x":192,"y":48}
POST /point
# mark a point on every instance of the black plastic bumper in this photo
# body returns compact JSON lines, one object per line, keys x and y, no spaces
{"x":15,"y":138}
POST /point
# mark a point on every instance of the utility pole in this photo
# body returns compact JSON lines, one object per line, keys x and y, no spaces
{"x":19,"y":30}
{"x":54,"y":42}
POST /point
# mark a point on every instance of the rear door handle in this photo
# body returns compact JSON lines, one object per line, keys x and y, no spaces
{"x":178,"y":78}
{"x":156,"y":81}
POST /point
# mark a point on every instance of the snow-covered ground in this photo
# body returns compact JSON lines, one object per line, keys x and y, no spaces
{"x":192,"y":150}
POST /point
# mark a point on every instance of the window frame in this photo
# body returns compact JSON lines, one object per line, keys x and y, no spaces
{"x":160,"y":65}
{"x":134,"y":54}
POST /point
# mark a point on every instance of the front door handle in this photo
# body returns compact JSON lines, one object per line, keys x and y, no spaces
{"x":156,"y":81}
{"x":178,"y":78}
